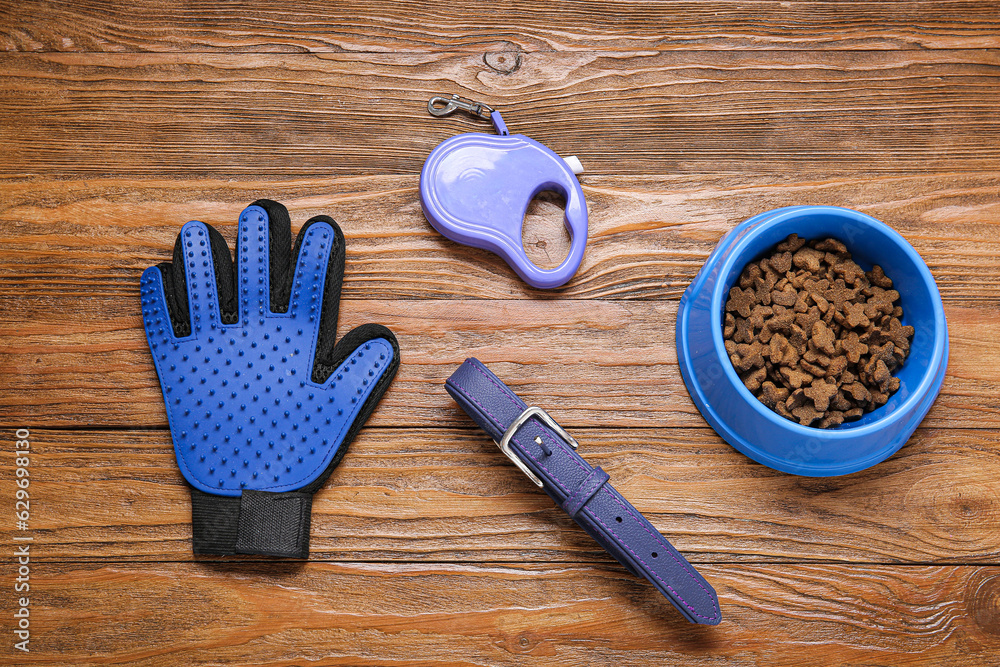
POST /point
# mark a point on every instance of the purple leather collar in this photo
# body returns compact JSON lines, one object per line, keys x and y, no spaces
{"x":547,"y":455}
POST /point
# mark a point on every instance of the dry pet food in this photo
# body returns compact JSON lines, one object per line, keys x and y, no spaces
{"x":813,"y":336}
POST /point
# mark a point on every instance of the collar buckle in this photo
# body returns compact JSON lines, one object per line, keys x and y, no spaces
{"x":515,"y":426}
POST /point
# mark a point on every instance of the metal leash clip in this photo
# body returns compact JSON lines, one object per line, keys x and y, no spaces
{"x":456,"y":103}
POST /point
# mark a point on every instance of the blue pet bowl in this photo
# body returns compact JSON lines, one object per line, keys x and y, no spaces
{"x":750,"y":426}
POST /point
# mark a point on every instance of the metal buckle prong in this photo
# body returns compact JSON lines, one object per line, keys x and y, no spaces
{"x":515,"y":425}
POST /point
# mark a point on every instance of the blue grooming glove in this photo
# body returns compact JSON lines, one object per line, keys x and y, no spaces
{"x":262,"y":403}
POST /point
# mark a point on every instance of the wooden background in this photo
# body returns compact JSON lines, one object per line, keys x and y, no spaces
{"x":121,"y":121}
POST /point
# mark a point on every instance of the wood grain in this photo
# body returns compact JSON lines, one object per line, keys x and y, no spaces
{"x":91,"y":25}
{"x":120,"y":122}
{"x":71,"y":361}
{"x":206,"y":115}
{"x":268,"y":614}
{"x":648,"y":235}
{"x":448,"y":495}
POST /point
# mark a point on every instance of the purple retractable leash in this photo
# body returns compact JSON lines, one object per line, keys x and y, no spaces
{"x":476,"y":188}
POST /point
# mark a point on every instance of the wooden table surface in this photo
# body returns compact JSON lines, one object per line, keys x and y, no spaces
{"x":121,"y":121}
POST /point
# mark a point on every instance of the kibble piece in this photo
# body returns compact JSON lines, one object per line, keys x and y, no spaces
{"x":794,"y":378}
{"x":878,"y":278}
{"x":832,"y":418}
{"x":880,"y":373}
{"x":753,"y":380}
{"x":830,"y":245}
{"x":749,"y":276}
{"x":807,"y":414}
{"x":741,"y":301}
{"x":839,"y":293}
{"x":791,"y":244}
{"x":782,"y":320}
{"x":898,"y":334}
{"x":743,"y":331}
{"x":857,"y":391}
{"x":786,"y":297}
{"x":798,"y":339}
{"x":837,"y":366}
{"x":823,"y":338}
{"x":759,"y":314}
{"x":854,"y":315}
{"x":777,"y":345}
{"x":807,"y":319}
{"x":853,"y":347}
{"x":763,"y":286}
{"x":808,"y":258}
{"x":791,"y":356}
{"x":812,"y":369}
{"x":820,"y":392}
{"x":784,"y":412}
{"x":781,"y":262}
{"x":747,"y":356}
{"x":796,"y":399}
{"x":850,"y":271}
{"x":839,"y":402}
{"x":782,"y":351}
{"x":728,"y":326}
{"x":772,"y":394}
{"x":801,"y":304}
{"x":815,"y":357}
{"x":880,"y":302}
{"x":819,"y":300}
{"x":883,"y":353}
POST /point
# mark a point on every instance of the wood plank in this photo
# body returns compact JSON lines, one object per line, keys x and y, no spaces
{"x":448,"y":495}
{"x":90,"y":25}
{"x":83,"y":361}
{"x":272,"y":615}
{"x":795,"y":112}
{"x":648,"y":235}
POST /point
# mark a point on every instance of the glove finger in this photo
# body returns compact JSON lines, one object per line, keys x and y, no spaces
{"x":173,"y":278}
{"x":384,"y":360}
{"x":155,"y":313}
{"x":359,"y":371}
{"x":199,"y":274}
{"x":319,"y":274}
{"x":262,"y":259}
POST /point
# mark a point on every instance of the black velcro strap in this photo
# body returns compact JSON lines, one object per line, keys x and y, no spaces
{"x":257,"y":523}
{"x":274,"y":524}
{"x":214,"y":520}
